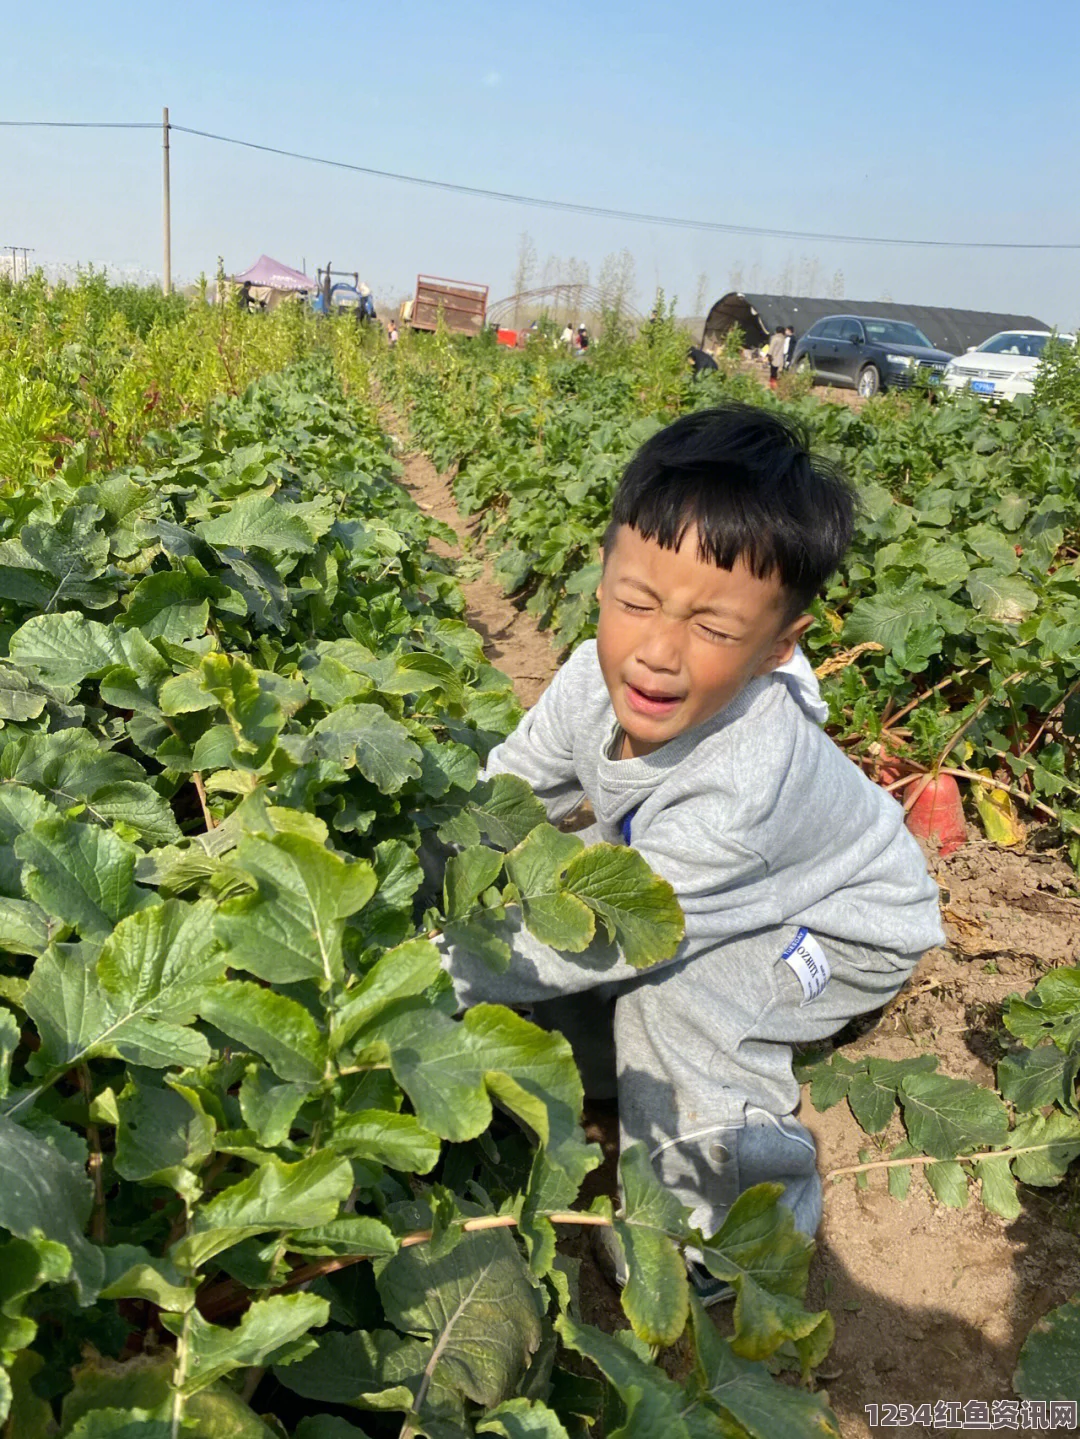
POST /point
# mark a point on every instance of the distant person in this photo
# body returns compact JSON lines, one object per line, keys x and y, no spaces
{"x":581,"y":339}
{"x":777,"y":345}
{"x":700,"y":361}
{"x":392,"y":332}
{"x":244,"y":298}
{"x":367,"y":304}
{"x":567,"y":337}
{"x":789,"y":346}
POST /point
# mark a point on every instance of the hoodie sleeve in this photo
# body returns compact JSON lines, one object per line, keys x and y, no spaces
{"x":541,"y":749}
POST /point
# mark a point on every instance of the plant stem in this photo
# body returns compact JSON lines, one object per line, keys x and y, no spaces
{"x":933,"y":690}
{"x":227,"y":1297}
{"x":1057,"y":710}
{"x":985,"y":779}
{"x":954,"y":1159}
{"x":200,"y":790}
{"x":987,"y":699}
{"x":93,"y":1139}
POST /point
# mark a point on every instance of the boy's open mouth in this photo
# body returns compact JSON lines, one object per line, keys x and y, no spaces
{"x":651,"y":702}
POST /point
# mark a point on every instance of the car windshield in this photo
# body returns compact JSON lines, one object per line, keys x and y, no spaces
{"x":895,"y":332}
{"x":1015,"y":342}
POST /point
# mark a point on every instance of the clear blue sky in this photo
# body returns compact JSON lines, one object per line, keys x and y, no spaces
{"x":953,"y":120}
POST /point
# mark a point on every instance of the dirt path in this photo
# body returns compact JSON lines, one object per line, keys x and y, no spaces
{"x":930,"y":1303}
{"x":512,"y":640}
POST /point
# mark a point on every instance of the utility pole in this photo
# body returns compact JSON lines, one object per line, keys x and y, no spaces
{"x":166,"y":269}
{"x":16,"y":250}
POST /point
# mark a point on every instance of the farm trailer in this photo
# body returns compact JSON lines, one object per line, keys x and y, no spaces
{"x":463,"y":306}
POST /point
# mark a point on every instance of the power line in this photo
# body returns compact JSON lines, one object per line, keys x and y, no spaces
{"x":79,"y":125}
{"x":566,"y":206}
{"x":634,"y":216}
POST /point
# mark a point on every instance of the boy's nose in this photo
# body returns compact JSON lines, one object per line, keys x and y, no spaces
{"x":660,"y":650}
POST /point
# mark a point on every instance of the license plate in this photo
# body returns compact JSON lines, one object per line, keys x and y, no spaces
{"x":982,"y":387}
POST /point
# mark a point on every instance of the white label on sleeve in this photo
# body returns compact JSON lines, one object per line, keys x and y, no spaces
{"x":806,"y":960}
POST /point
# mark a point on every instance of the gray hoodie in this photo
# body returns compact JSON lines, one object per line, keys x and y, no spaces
{"x":755,"y":817}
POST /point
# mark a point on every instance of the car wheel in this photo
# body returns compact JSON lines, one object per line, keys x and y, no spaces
{"x":869,"y":381}
{"x":803,"y":366}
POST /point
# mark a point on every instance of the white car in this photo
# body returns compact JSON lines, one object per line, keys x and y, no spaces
{"x":1002,"y":366}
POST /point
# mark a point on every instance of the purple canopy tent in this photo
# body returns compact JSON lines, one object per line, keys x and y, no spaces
{"x":273,"y":275}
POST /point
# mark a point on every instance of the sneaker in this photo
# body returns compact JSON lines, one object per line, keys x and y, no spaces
{"x":708,"y":1289}
{"x":612,"y":1265}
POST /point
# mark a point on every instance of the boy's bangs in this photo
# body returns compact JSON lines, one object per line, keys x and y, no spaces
{"x":732,"y":524}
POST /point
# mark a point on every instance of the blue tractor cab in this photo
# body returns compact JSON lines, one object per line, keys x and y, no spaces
{"x":334,"y":296}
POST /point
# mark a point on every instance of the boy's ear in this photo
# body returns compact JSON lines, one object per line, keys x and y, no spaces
{"x":786,"y":640}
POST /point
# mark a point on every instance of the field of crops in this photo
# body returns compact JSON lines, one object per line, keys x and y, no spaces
{"x":257,"y":1179}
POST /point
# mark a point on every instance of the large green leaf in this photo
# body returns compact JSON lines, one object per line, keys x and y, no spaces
{"x":145,"y":1383}
{"x":131,"y":1273}
{"x":271,"y":1024}
{"x":448,"y":1068}
{"x":466,"y":877}
{"x":401,"y":973}
{"x":67,"y":648}
{"x":1031,"y":1078}
{"x":377,"y":1370}
{"x":536,"y":867}
{"x":170,"y":603}
{"x":397,"y":1140}
{"x":260,"y":522}
{"x":252,"y":706}
{"x":80,"y":874}
{"x":162,"y":1134}
{"x":889,"y":617}
{"x":269,"y":1106}
{"x":25,"y":1267}
{"x":505,"y":810}
{"x":658,"y":1407}
{"x":945,"y":1117}
{"x":1000,"y":596}
{"x":77,"y":1019}
{"x":20,"y":699}
{"x":364,"y":735}
{"x":522,"y":1419}
{"x":475,"y":1307}
{"x":998,"y":1187}
{"x":292,"y":927}
{"x":25,"y":928}
{"x":1050,"y":1011}
{"x":637,"y":907}
{"x":1053,"y":1142}
{"x":760,"y":1253}
{"x":276,"y":1197}
{"x":271,"y":1332}
{"x":44,"y":1193}
{"x":162,"y":961}
{"x":1049,"y":1364}
{"x":656,"y":1296}
{"x":749,"y":1394}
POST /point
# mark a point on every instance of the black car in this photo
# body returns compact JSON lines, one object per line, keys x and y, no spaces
{"x":868,"y":355}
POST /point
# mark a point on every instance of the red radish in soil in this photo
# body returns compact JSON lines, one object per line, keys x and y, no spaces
{"x":937,"y":816}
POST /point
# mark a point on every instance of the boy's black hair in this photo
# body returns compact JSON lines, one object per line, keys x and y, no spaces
{"x":746,"y":480}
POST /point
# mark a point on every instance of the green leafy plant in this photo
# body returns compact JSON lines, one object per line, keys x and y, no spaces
{"x":258,"y":1176}
{"x":967,"y":1140}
